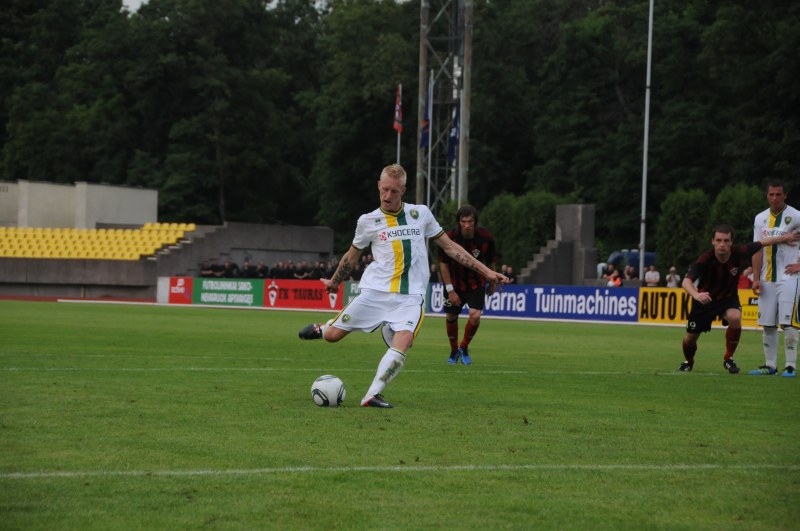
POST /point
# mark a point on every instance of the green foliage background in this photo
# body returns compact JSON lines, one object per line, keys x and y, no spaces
{"x":280,"y":111}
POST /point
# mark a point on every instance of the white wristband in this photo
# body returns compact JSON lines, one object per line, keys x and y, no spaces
{"x":448,"y":287}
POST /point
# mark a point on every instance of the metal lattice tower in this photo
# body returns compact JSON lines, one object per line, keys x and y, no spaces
{"x":445,"y":57}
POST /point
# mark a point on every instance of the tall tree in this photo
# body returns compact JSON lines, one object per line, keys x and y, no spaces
{"x":280,"y":110}
{"x":365,"y":57}
{"x":39,"y":40}
{"x":681,"y":234}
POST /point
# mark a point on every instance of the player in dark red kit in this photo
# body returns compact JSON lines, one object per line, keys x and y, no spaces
{"x":463,"y":285}
{"x":716,"y":273}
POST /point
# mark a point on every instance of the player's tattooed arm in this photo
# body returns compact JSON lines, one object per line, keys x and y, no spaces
{"x":343,"y":271}
{"x":346,"y":265}
{"x":460,"y":255}
{"x":467,"y":260}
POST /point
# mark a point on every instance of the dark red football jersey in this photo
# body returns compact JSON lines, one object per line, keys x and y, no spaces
{"x":481,"y":246}
{"x":721,"y":280}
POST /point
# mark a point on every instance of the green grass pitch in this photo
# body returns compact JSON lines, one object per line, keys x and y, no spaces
{"x":145,"y":417}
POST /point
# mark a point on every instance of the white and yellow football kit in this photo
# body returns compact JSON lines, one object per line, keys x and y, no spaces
{"x":393,"y":286}
{"x":777,"y":301}
{"x":400,"y":248}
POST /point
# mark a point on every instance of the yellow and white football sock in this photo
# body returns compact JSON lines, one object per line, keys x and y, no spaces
{"x":790,"y":336}
{"x":325,"y":325}
{"x":771,"y":346}
{"x":389,"y":366}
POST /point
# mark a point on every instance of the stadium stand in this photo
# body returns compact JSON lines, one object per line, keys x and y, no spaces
{"x":99,"y":244}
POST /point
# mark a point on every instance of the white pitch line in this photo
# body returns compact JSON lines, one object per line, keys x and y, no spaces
{"x":149,"y":356}
{"x":394,"y":468}
{"x":170,"y":369}
{"x":241,"y":369}
{"x":457,"y":371}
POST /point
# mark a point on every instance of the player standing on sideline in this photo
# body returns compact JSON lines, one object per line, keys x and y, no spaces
{"x":463,"y":285}
{"x":392,"y":290}
{"x":776,"y":291}
{"x":716,"y":294}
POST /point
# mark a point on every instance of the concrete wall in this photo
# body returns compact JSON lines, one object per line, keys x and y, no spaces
{"x":45,"y":204}
{"x":571,"y":257}
{"x":77,"y":278}
{"x":9,"y":194}
{"x":83,"y":205}
{"x":270,"y":243}
{"x":575,"y":224}
{"x":101,"y":204}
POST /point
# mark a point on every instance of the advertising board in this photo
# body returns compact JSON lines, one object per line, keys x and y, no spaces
{"x":580,"y":303}
{"x":553,"y":302}
{"x":228,"y":292}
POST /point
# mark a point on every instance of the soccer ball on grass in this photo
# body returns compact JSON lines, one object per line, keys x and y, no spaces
{"x":328,"y":391}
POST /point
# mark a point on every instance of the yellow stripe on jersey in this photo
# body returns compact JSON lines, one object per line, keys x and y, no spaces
{"x":397,"y":250}
{"x":769,"y":250}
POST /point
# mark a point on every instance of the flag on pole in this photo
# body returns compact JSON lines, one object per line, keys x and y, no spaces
{"x":425,"y":136}
{"x":452,"y":140}
{"x":398,"y":110}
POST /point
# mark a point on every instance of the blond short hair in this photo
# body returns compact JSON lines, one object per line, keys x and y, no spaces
{"x":395,"y":171}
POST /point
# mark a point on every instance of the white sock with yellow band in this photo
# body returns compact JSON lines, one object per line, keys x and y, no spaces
{"x":390,"y":364}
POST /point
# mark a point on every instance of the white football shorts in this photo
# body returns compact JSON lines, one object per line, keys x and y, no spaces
{"x":370,"y":309}
{"x":777,"y":302}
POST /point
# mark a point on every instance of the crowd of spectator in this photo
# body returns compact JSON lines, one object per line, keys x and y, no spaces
{"x":325,"y":269}
{"x":614,"y":277}
{"x":652,"y":278}
{"x":286,"y":269}
{"x":508,"y":271}
{"x":302,"y":270}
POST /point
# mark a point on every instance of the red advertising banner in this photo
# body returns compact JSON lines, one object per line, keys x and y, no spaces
{"x":305,"y":294}
{"x":180,"y":290}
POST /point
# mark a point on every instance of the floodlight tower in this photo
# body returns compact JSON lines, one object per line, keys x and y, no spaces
{"x":445,"y":57}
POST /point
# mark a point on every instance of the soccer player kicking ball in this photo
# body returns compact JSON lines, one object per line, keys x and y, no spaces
{"x":716,"y":275}
{"x":393,"y":287}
